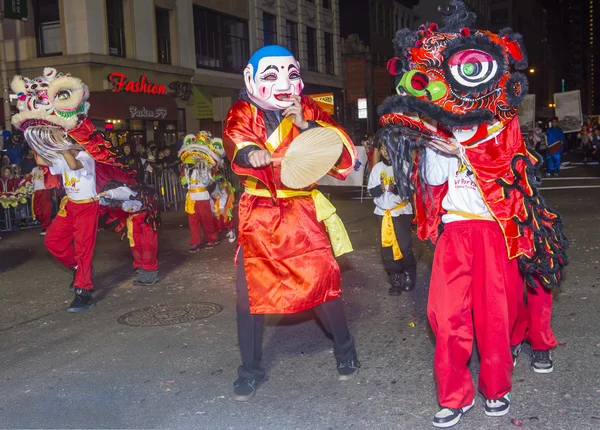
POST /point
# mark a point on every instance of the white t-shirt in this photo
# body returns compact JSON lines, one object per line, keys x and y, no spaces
{"x":384,"y":175}
{"x":79,"y":184}
{"x":463,"y":194}
{"x":199,"y":178}
{"x":38,"y":179}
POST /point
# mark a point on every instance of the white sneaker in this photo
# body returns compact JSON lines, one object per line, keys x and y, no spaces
{"x":499,"y":407}
{"x":448,"y":417}
{"x":231,"y":236}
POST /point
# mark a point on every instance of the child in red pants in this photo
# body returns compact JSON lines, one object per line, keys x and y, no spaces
{"x":198,"y":208}
{"x":474,"y":291}
{"x":42,"y":200}
{"x":71,"y":237}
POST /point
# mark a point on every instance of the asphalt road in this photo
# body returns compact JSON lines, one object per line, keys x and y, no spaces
{"x":60,"y":370}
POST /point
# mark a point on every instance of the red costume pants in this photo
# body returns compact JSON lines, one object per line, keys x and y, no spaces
{"x":474,"y":289}
{"x":221,"y":224}
{"x":533,"y":320}
{"x":143,"y":241}
{"x":202,"y":219}
{"x":71,"y":238}
{"x":42,"y":207}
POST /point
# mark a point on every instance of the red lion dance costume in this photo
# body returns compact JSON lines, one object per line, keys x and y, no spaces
{"x":53,"y":115}
{"x":476,"y":199}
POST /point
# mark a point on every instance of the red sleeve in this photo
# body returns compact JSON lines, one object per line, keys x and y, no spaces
{"x":347,"y":161}
{"x":245,"y":126}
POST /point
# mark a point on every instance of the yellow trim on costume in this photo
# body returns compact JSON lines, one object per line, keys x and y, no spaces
{"x":130,"y":229}
{"x":338,"y":236}
{"x":189,"y":203}
{"x":388,"y":234}
{"x":469,"y":215}
{"x":63,"y":203}
{"x":279,"y":134}
{"x":33,"y":206}
{"x":347,"y":144}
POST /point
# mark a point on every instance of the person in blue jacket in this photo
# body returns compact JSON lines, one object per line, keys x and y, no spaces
{"x":556,"y":142}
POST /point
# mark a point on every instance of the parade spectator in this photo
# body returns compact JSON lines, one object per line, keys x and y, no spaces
{"x":595,"y":152}
{"x":556,"y":142}
{"x":8,"y":181}
{"x":28,"y":162}
{"x":14,"y":148}
{"x":5,"y":160}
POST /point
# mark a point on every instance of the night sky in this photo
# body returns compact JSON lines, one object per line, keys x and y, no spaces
{"x":427,"y":10}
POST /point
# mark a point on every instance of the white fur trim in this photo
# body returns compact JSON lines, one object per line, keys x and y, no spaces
{"x":66,"y":124}
{"x":17,"y":85}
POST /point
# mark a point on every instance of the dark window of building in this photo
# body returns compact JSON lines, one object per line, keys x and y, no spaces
{"x":116,"y":27}
{"x":310,"y":1}
{"x":327,"y":4}
{"x":329,"y":54}
{"x":163,"y":36}
{"x":380,"y":22}
{"x":270,"y":29}
{"x":311,"y":45}
{"x":221,"y":41}
{"x":47,"y":28}
{"x":291,"y":37}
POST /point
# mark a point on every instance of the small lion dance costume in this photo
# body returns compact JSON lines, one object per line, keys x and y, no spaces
{"x":198,"y":159}
{"x":53,"y":115}
{"x":476,"y":199}
{"x":285,"y":261}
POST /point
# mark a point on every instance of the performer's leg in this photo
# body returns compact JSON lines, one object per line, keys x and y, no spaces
{"x":250,"y":329}
{"x":207,"y":220}
{"x":145,"y":246}
{"x":402,"y":224}
{"x":194,"y":223}
{"x":42,"y":208}
{"x":333,"y":317}
{"x":394,"y":268}
{"x":493,"y":296}
{"x":449,"y":312}
{"x":59,"y":238}
{"x":519,"y":326}
{"x":539,"y":309}
{"x":85,"y":229}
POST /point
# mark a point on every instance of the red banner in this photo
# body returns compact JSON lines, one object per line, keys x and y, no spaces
{"x":355,"y":80}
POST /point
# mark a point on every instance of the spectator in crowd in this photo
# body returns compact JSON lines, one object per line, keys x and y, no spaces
{"x":596,"y":144}
{"x":8,"y":181}
{"x":14,"y":148}
{"x":28,"y":162}
{"x":6,"y":135}
{"x":556,"y":142}
{"x":5,"y":160}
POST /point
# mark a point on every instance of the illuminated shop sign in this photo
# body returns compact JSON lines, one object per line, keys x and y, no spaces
{"x":143,"y":113}
{"x":144,"y":85}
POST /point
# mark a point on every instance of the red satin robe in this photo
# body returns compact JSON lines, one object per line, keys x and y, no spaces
{"x":287,"y":253}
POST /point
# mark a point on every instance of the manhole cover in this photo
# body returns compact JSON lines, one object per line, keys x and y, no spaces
{"x":169,"y":314}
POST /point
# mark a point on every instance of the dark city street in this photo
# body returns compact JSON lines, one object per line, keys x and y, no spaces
{"x":88,"y":370}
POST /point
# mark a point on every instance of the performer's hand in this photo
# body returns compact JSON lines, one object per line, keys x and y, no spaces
{"x":103,"y":194}
{"x":295,"y":111}
{"x":452,"y":147}
{"x":259,"y":158}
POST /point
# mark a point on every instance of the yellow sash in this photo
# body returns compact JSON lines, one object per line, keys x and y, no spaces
{"x":63,"y":203}
{"x":189,"y":203}
{"x":130,"y":229}
{"x":469,"y":215}
{"x":388,"y":234}
{"x":340,"y":242}
{"x":33,"y":206}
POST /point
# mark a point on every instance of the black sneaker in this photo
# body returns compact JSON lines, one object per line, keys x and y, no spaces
{"x":244,"y":389}
{"x":348,"y":369}
{"x":515,"y":351}
{"x":448,"y":417}
{"x":396,"y":281}
{"x":211,"y":245}
{"x":146,"y":278}
{"x":195,"y":248}
{"x":542,"y":361}
{"x":83,"y":300}
{"x":410,"y":279}
{"x":499,"y":407}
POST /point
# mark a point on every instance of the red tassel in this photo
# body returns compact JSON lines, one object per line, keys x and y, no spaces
{"x":513,"y":48}
{"x":465,"y":32}
{"x":418,"y":43}
{"x":433,"y":27}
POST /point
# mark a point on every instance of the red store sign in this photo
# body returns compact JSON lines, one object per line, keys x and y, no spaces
{"x":144,"y":85}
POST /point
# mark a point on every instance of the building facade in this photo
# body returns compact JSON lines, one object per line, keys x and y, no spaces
{"x":159,"y":68}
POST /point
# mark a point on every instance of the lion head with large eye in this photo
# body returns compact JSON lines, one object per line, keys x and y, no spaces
{"x":53,"y":99}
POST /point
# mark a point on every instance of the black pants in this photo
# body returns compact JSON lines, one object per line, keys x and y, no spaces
{"x":250,"y":329}
{"x":408,"y":262}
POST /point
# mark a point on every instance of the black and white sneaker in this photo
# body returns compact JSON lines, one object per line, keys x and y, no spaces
{"x":515,"y":351}
{"x":448,"y":417}
{"x":348,"y":369}
{"x":542,"y":361}
{"x":499,"y":407}
{"x":83,"y":300}
{"x":244,"y":389}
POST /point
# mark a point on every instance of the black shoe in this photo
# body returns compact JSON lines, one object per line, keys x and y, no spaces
{"x":195,"y":248}
{"x":542,"y":361}
{"x":515,"y":351}
{"x":396,"y":281}
{"x":211,"y":245}
{"x":497,"y":408}
{"x":244,"y":389}
{"x":410,"y":279}
{"x":146,"y":278}
{"x":348,"y":369}
{"x":448,"y":417}
{"x":83,"y":300}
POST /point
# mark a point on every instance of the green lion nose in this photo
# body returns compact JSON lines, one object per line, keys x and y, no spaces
{"x":417,"y":84}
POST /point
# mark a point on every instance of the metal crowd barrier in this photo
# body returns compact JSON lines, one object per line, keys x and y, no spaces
{"x":21,"y":216}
